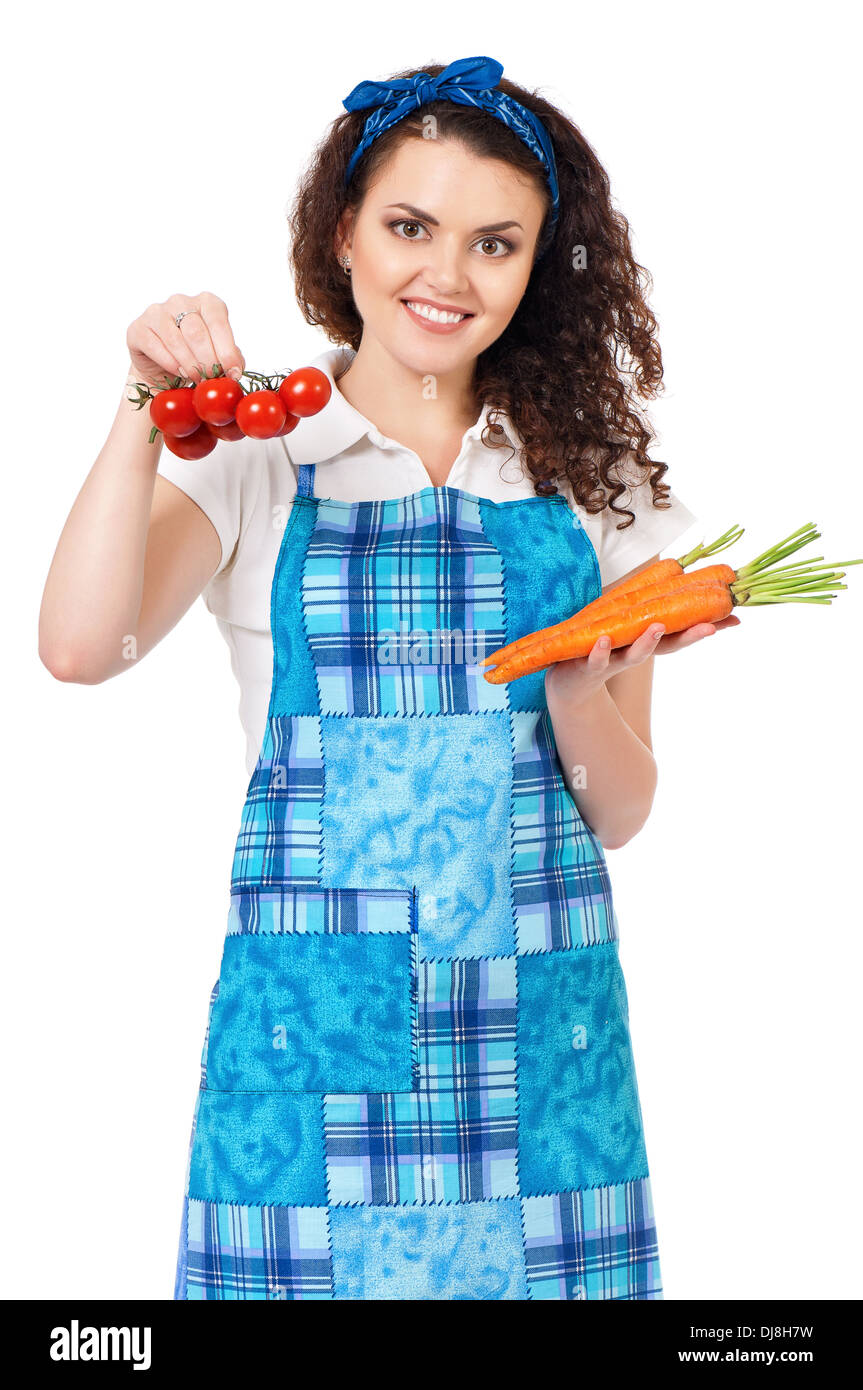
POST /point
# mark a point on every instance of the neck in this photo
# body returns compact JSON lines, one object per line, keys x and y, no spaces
{"x":406,"y":404}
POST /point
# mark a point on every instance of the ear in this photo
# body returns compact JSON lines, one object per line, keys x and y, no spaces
{"x":344,"y":230}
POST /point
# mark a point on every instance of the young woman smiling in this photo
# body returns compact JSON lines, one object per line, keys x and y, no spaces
{"x":417,"y":1078}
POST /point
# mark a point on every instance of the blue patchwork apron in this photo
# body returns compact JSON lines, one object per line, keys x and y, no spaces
{"x":417,"y":1078}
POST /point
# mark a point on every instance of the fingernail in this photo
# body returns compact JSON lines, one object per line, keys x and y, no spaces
{"x":236,"y":373}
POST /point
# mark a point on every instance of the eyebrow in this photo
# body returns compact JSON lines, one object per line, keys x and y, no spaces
{"x":427,"y":217}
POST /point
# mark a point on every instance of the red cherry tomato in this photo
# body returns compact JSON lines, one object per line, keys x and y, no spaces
{"x":216,"y":399}
{"x":291,"y":422}
{"x":192,"y":446}
{"x":261,"y":414}
{"x":305,"y":391}
{"x":229,"y":431}
{"x":173,"y":412}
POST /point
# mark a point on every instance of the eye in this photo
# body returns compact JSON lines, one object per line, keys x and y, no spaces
{"x":501,"y":241}
{"x":403,"y":223}
{"x":508,"y":247}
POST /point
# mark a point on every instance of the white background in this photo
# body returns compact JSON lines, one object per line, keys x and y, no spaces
{"x":153,"y":149}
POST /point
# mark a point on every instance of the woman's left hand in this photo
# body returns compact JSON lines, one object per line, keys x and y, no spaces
{"x":581,"y":676}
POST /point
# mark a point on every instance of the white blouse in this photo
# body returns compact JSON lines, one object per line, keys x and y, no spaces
{"x":246,"y":488}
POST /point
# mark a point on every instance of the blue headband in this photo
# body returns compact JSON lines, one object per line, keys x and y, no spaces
{"x":467,"y":81}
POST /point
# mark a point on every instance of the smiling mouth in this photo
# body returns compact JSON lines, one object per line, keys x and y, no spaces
{"x":445,"y":318}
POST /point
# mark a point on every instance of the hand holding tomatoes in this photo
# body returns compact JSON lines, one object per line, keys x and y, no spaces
{"x":193,"y":418}
{"x":164,"y":354}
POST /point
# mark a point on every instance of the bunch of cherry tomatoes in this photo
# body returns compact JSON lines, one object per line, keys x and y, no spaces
{"x":192,"y":419}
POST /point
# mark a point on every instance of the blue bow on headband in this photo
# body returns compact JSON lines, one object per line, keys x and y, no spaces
{"x":467,"y":81}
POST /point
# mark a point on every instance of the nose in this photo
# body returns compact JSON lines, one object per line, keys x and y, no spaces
{"x":445,"y":269}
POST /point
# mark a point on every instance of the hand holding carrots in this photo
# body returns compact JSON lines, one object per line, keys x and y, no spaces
{"x":578,"y":678}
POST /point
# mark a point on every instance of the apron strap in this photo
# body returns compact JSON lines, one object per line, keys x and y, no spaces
{"x":306,"y":480}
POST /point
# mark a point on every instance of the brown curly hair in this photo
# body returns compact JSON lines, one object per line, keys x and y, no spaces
{"x":559,"y":370}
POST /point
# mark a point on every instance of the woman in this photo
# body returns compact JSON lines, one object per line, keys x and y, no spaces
{"x":417,"y":1077}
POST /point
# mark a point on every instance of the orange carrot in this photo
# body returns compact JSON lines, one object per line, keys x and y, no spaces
{"x":705,"y":595}
{"x":662,"y":569}
{"x":690,"y":603}
{"x":655,"y":574}
{"x":620,"y":597}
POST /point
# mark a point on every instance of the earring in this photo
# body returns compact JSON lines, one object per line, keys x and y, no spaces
{"x":346,"y":263}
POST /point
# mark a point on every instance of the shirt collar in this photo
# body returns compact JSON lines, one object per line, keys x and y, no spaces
{"x":339,"y":425}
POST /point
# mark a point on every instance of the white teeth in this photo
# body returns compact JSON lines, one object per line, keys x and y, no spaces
{"x":436,"y":315}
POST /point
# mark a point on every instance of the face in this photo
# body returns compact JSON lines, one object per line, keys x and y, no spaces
{"x":441,"y":226}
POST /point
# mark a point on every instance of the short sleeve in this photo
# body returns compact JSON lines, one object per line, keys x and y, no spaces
{"x":224,"y":485}
{"x":652,"y":531}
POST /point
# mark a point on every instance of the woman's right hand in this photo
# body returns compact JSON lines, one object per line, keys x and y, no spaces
{"x":159,"y":350}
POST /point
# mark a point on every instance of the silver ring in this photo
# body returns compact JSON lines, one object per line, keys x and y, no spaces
{"x":183,"y":315}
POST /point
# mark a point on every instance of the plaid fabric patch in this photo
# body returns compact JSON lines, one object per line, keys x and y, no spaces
{"x":343,"y":911}
{"x":561,"y":887}
{"x":402,"y":600}
{"x":455,"y":1139}
{"x":237,"y":1252}
{"x":599,"y":1243}
{"x":280,"y":830}
{"x":183,"y":1244}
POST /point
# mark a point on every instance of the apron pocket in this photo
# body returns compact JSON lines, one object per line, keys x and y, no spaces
{"x":329,"y":1010}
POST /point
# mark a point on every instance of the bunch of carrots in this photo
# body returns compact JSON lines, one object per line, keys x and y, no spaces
{"x":665,"y":594}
